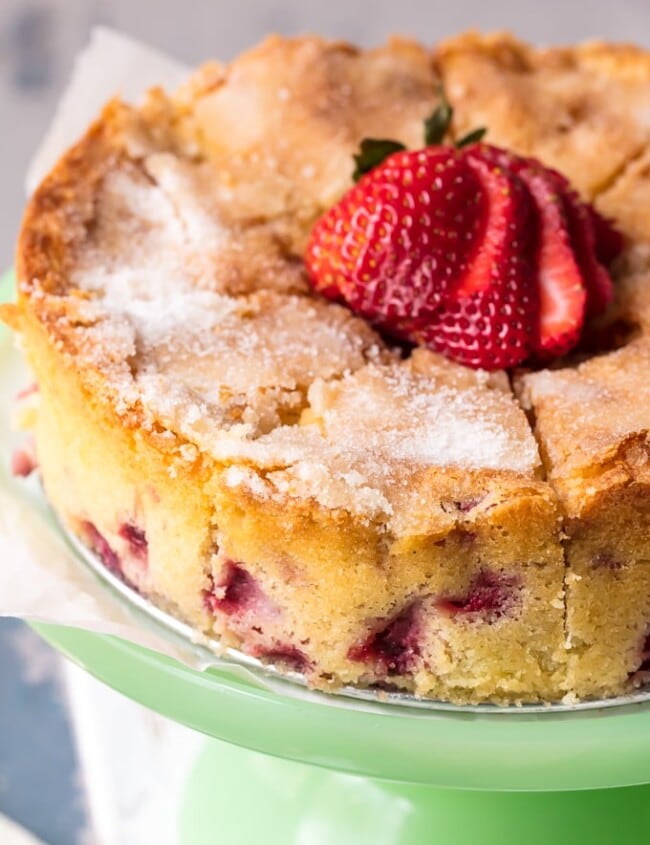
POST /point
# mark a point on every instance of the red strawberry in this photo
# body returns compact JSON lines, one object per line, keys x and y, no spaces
{"x":435,"y":248}
{"x":562,"y":293}
{"x":598,"y":282}
{"x":392,"y":246}
{"x":596,"y":242}
{"x":483,"y":255}
{"x":559,"y":277}
{"x":488,"y":319}
{"x":609,"y":241}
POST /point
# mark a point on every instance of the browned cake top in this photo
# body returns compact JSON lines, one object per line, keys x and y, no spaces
{"x":163,"y":254}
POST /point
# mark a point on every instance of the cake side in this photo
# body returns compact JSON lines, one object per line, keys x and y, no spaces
{"x":136,"y":499}
{"x":468,"y":610}
{"x":593,"y":423}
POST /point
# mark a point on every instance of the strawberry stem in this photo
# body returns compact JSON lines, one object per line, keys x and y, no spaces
{"x":436,"y":126}
{"x":472,"y":137}
{"x":372,"y":152}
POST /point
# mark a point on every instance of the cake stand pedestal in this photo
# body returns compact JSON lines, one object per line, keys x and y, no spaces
{"x":237,"y":796}
{"x":335,"y":771}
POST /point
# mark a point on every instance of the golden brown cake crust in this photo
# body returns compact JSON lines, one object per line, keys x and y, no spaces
{"x":348,"y":490}
{"x":291,"y":113}
{"x":584,"y":110}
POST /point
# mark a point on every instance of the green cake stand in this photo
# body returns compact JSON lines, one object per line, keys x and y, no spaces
{"x":282,"y":766}
{"x":328,"y":771}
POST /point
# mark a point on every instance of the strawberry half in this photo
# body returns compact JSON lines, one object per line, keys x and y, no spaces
{"x":397,"y":240}
{"x":489,"y":317}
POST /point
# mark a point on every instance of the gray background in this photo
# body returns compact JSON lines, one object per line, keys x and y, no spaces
{"x":38,"y":40}
{"x":39,"y":779}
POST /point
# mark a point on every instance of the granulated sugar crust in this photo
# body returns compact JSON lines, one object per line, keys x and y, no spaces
{"x":163,"y":255}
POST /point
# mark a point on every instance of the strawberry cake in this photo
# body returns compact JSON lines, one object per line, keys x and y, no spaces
{"x":341,"y":355}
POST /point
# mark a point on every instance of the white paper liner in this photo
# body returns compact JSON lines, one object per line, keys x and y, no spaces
{"x":111,"y":65}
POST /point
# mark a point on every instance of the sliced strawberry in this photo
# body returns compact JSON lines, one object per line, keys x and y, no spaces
{"x":483,"y":255}
{"x":609,"y":242}
{"x":490,"y":330}
{"x":489,"y":317}
{"x":597,"y":281}
{"x":562,"y":292}
{"x":595,"y":241}
{"x":396,"y":241}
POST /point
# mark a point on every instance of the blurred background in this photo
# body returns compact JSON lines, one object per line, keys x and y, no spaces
{"x":40,"y":783}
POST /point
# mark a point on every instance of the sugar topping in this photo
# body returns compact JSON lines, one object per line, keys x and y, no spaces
{"x":585,"y":414}
{"x":419,"y":418}
{"x":293,"y":112}
{"x":363,"y":436}
{"x":296,"y":395}
{"x":200,"y":359}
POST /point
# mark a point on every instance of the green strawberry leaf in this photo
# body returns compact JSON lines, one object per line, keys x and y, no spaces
{"x":372,"y":152}
{"x":437,"y":125}
{"x":472,"y":137}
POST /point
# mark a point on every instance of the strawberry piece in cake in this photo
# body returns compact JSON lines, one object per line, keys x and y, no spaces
{"x":24,"y":460}
{"x":394,"y":649}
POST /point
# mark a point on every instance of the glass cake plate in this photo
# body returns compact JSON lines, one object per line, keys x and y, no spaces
{"x":372,"y":767}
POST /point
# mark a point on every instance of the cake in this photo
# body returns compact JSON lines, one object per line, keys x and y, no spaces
{"x":270,"y":467}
